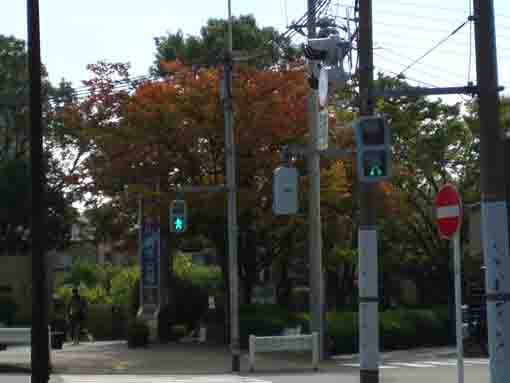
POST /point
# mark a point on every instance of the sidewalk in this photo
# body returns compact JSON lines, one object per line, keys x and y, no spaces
{"x":172,"y":358}
{"x":177,"y":358}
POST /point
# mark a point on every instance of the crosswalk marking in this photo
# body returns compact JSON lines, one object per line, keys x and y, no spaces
{"x":415,"y":365}
{"x":159,"y":379}
{"x":357,"y":365}
{"x":443,"y":363}
{"x":423,"y":364}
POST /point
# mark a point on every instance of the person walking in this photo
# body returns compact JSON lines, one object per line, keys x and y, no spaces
{"x":76,"y":313}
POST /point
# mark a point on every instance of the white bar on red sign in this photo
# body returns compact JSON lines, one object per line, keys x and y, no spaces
{"x":448,"y":211}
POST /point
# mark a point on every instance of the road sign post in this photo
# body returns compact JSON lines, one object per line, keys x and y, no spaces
{"x":449,"y":218}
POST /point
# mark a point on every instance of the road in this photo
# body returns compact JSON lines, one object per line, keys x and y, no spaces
{"x":423,"y":370}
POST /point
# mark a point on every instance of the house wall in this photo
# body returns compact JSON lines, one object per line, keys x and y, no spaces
{"x":16,"y":281}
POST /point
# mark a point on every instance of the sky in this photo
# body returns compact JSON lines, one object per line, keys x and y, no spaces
{"x":76,"y":33}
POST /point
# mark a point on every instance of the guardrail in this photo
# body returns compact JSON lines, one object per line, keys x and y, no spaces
{"x":285,"y":343}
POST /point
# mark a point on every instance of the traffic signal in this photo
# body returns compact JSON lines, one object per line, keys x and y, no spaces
{"x":285,"y":190}
{"x":178,"y":216}
{"x":331,"y":51}
{"x":373,"y":139}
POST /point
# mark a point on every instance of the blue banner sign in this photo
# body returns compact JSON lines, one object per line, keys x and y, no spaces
{"x":151,"y":237}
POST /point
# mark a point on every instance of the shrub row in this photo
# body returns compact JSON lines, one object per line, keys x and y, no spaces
{"x":399,"y":329}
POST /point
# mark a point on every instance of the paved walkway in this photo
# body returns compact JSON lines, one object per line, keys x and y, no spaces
{"x":104,"y":358}
{"x":172,"y":358}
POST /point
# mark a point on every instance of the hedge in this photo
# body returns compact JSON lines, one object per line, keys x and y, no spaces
{"x":105,"y":324}
{"x":399,"y":329}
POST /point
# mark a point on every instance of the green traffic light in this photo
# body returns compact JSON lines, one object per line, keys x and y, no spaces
{"x":376,"y":171}
{"x":179,"y":224}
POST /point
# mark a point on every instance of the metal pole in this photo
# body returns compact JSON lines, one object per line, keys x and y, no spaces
{"x":494,"y":205}
{"x":367,"y":234}
{"x":314,"y":213}
{"x":458,"y":307}
{"x":40,"y":338}
{"x":141,"y":223}
{"x":230,"y":159}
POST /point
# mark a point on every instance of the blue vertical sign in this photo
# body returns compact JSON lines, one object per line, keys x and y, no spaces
{"x":151,"y":238}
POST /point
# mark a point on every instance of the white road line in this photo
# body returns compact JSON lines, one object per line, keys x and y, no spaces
{"x":357,"y":365}
{"x":414,"y":365}
{"x":477,"y":361}
{"x":159,"y":379}
{"x":442,"y":364}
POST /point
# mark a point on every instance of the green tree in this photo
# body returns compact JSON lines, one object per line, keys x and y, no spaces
{"x":208,"y":49}
{"x":14,"y":155}
{"x":432,"y":146}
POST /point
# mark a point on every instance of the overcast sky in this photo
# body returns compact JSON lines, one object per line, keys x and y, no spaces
{"x":76,"y":33}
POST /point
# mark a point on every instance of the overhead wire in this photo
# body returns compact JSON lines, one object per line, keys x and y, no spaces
{"x":431,"y":66}
{"x":125,"y":84}
{"x":320,"y":7}
{"x":417,"y":71}
{"x":435,"y":7}
{"x":435,"y":46}
{"x":384,"y":70}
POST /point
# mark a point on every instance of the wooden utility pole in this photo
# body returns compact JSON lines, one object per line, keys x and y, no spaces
{"x":314,"y":199}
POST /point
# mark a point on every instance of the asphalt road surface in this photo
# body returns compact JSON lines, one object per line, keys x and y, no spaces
{"x":476,"y":371}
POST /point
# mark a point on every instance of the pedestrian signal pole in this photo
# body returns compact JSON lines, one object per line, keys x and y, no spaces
{"x":367,"y":234}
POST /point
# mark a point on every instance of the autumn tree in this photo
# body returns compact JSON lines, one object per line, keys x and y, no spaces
{"x":172,"y":132}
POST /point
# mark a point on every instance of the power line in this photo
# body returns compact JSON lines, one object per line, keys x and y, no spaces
{"x":419,"y":71}
{"x":441,"y":69}
{"x":319,"y":9}
{"x":435,"y":46}
{"x":433,"y":7}
{"x":384,"y":70}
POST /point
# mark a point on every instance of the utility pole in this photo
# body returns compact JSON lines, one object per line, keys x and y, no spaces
{"x":367,"y":234}
{"x":314,"y":199}
{"x":39,"y":349}
{"x":494,"y":205}
{"x":230,"y":159}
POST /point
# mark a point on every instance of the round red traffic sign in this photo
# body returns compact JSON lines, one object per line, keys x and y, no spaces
{"x":448,"y":211}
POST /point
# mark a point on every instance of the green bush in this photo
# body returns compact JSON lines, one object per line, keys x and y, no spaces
{"x":260,"y":326}
{"x":265,"y":320}
{"x":191,"y":302}
{"x":343,"y":332}
{"x":8,"y":309}
{"x":99,"y":321}
{"x":188,"y":308}
{"x":208,"y":278}
{"x":431,"y":329}
{"x":138,"y":334}
{"x":122,"y":285}
{"x":398,"y":329}
{"x":166,"y":321}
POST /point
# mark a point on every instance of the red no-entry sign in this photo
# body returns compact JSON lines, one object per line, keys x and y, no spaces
{"x":448,"y":211}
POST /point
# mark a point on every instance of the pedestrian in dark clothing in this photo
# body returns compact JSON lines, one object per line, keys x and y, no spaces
{"x":76,"y":312}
